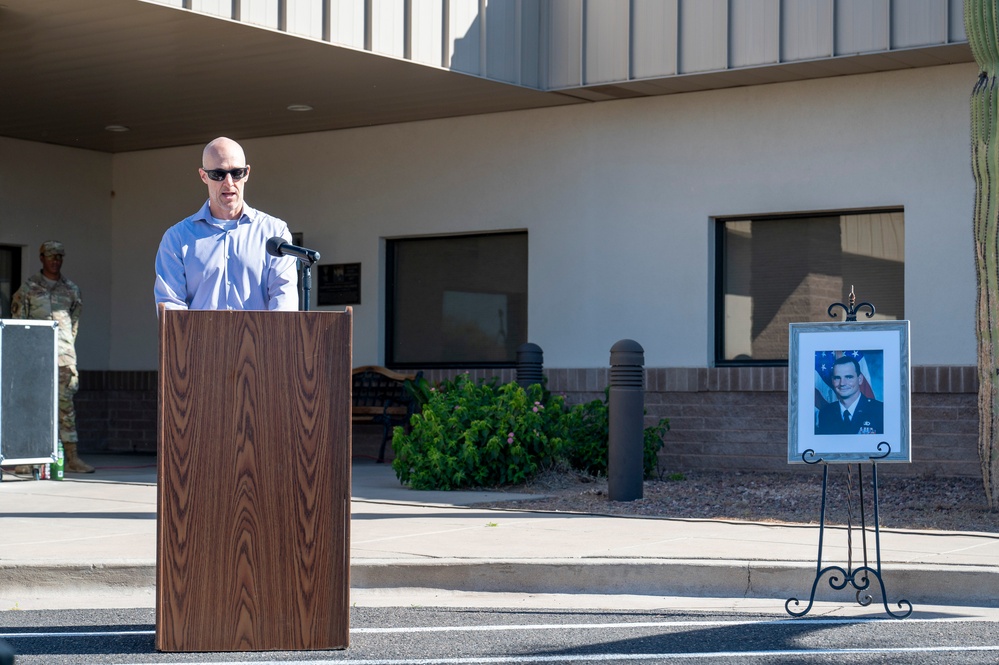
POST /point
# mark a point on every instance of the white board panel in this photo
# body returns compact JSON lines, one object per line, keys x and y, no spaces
{"x":703,"y":35}
{"x":213,"y":7}
{"x":607,"y":42}
{"x":861,"y":26}
{"x":464,"y":27}
{"x":653,"y":38}
{"x":259,"y":12}
{"x":305,"y":17}
{"x":347,"y":22}
{"x":755,"y":26}
{"x":806,"y":29}
{"x":918,"y":23}
{"x":956,"y":21}
{"x":530,"y":43}
{"x":565,"y":44}
{"x":503,"y":48}
{"x":428,"y":32}
{"x":388,"y":27}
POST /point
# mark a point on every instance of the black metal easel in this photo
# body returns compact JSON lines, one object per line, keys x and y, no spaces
{"x":858,"y":577}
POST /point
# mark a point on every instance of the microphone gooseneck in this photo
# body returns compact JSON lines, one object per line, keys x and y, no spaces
{"x":277,"y":246}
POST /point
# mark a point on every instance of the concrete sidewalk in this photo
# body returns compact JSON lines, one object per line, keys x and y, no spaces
{"x":91,"y":541}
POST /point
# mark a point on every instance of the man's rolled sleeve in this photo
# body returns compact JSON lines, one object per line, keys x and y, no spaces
{"x":282,"y":287}
{"x":171,"y":286}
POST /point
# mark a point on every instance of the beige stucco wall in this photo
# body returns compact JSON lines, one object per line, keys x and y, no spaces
{"x":616,"y":196}
{"x":54,"y":193}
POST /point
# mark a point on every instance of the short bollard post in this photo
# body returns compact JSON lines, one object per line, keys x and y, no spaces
{"x":530,"y":361}
{"x":625,"y":467}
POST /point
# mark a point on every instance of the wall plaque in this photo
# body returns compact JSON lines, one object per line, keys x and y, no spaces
{"x":340,"y":284}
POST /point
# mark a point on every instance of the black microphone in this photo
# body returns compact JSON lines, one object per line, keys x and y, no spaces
{"x":277,"y":246}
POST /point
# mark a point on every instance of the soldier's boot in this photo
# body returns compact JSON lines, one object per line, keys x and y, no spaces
{"x":73,"y":462}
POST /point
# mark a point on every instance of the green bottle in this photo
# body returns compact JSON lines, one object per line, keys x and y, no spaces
{"x":58,"y":468}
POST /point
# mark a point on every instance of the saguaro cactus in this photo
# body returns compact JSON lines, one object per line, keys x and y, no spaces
{"x":980,"y":18}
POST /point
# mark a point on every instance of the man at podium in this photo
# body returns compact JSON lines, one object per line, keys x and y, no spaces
{"x":217,"y":258}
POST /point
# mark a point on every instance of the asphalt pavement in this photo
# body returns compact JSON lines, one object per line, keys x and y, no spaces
{"x":90,"y":541}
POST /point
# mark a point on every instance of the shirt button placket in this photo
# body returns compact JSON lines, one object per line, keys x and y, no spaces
{"x":228,"y":282}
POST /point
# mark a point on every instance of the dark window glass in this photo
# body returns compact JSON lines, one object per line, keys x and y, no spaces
{"x":780,"y":270}
{"x":456,"y":300}
{"x":10,"y":276}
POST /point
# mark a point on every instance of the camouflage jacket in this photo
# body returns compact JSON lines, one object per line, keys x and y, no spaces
{"x":42,"y":299}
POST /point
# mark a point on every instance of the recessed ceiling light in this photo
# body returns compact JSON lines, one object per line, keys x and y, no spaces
{"x":299,"y":107}
{"x":116,"y":128}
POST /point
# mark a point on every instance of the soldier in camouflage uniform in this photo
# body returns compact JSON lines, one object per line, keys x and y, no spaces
{"x":47,"y":295}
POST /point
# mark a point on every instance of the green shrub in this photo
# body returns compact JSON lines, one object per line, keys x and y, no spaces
{"x":654,"y":438}
{"x":587,"y":432}
{"x":588,"y":435}
{"x":485,"y":435}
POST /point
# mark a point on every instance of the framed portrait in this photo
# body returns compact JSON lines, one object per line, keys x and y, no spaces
{"x":848,"y":392}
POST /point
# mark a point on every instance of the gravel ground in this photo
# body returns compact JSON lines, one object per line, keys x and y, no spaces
{"x":905,"y":502}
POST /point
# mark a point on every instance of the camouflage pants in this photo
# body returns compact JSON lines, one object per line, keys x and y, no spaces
{"x":69,"y":383}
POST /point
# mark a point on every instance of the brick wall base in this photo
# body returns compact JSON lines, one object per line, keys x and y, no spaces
{"x":720,"y":418}
{"x":116,"y":412}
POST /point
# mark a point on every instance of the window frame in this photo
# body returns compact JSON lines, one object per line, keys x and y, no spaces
{"x":719,"y":275}
{"x":390,"y":315}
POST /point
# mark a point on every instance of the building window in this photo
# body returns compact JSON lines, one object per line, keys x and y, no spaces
{"x":772,"y":271}
{"x":456,"y":300}
{"x":10,"y":276}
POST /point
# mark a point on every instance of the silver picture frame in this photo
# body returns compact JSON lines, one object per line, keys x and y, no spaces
{"x":863,"y":364}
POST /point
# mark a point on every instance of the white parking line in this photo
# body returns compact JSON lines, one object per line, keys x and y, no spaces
{"x":553,"y":626}
{"x":80,"y":633}
{"x":665,"y":624}
{"x":607,"y":657}
{"x":588,"y":658}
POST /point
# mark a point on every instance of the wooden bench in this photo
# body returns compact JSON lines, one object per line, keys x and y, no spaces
{"x":379,"y":395}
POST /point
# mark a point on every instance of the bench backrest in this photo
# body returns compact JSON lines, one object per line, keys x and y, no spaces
{"x":375,"y":386}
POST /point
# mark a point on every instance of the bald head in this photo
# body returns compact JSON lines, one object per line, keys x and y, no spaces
{"x":220,"y":149}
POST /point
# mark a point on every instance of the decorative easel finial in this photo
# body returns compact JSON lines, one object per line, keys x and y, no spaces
{"x":851,"y":311}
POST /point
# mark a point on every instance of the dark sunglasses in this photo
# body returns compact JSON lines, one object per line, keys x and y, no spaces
{"x":219,"y":175}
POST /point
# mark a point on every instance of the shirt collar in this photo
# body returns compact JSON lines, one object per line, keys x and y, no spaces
{"x":852,"y":407}
{"x":205,"y":214}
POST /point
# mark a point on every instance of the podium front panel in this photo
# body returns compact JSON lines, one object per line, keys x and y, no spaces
{"x":253,"y":537}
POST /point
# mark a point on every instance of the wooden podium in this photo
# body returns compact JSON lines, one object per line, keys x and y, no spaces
{"x":253,"y":505}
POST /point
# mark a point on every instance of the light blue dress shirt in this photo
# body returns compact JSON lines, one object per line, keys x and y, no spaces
{"x":203,"y":265}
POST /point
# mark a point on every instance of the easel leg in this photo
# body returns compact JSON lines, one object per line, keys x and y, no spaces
{"x":859,"y":577}
{"x":877,"y":547}
{"x":819,"y":572}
